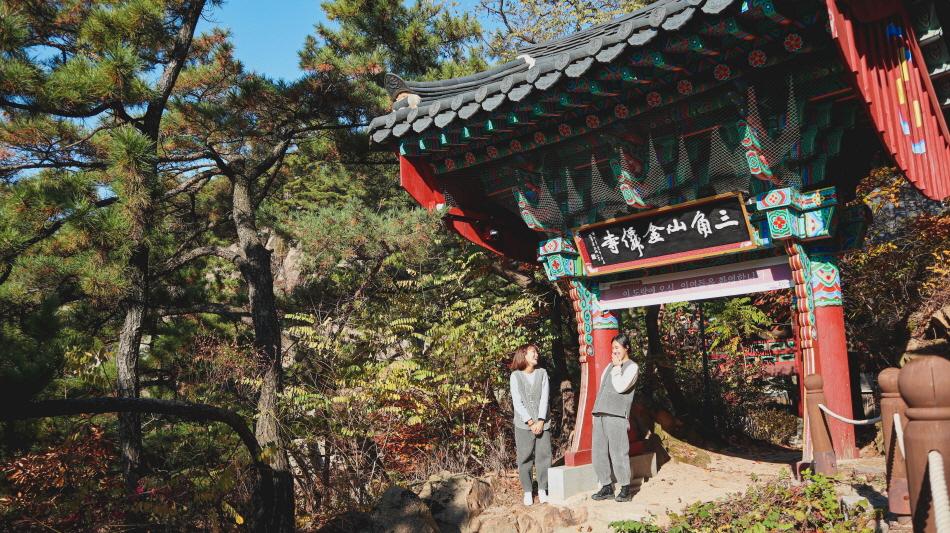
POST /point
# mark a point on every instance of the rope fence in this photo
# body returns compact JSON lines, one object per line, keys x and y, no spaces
{"x":899,"y":432}
{"x":938,"y":491}
{"x":835,"y":415}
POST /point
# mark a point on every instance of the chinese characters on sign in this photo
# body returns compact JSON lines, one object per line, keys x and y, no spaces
{"x":706,"y":226}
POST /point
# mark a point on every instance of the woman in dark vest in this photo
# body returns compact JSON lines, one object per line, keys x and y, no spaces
{"x":529,"y":398}
{"x":611,"y":446}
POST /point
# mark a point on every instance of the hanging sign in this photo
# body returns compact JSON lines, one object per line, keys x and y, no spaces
{"x":758,"y":275}
{"x":674,"y":234}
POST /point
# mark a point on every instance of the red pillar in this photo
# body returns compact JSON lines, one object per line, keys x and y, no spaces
{"x":591,"y":370}
{"x":832,"y":362}
{"x":831,"y":351}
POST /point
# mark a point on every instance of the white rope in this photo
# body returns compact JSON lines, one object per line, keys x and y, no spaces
{"x":938,"y":490}
{"x":899,"y":431}
{"x":832,"y":414}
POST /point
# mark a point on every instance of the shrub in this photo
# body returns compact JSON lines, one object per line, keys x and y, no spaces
{"x":779,"y":505}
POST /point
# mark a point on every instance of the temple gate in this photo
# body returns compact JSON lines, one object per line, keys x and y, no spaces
{"x":692,"y":149}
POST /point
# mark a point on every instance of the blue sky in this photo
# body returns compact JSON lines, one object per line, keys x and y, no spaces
{"x":268,"y":33}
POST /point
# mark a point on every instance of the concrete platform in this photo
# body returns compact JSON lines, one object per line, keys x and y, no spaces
{"x":567,"y":481}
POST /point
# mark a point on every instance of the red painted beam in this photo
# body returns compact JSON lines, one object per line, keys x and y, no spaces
{"x":877,"y":42}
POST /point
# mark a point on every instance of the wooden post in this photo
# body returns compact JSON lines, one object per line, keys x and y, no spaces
{"x":824,"y":452}
{"x":924,"y":385}
{"x":898,"y":499}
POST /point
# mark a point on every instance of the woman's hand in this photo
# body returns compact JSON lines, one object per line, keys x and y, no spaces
{"x":537,"y":427}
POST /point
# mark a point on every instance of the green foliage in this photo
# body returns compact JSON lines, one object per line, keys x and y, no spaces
{"x":734,"y":319}
{"x":774,"y":506}
{"x":899,"y":279}
{"x":367,"y":38}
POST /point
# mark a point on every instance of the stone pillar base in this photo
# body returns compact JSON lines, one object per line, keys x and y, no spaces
{"x":567,"y":481}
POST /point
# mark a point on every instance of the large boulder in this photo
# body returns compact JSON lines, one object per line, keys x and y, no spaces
{"x":400,"y":511}
{"x":456,"y":499}
{"x":534,"y":519}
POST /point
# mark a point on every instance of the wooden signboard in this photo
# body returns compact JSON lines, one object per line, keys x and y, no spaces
{"x":685,"y":232}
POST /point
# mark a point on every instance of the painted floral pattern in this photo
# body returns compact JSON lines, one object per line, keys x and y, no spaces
{"x":793,"y":42}
{"x":722,"y":72}
{"x":757,"y":58}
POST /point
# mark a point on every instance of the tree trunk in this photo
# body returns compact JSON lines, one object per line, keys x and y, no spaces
{"x":664,"y":371}
{"x":127,"y":358}
{"x":560,"y":374}
{"x":257,"y":273}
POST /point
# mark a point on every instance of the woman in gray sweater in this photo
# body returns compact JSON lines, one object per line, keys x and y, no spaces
{"x":611,"y":413}
{"x":529,"y":398}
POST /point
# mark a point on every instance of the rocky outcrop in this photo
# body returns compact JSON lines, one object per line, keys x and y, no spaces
{"x":399,"y":510}
{"x":456,"y":500}
{"x":534,"y":519}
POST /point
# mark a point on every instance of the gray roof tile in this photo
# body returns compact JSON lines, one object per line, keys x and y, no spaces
{"x":445,"y":101}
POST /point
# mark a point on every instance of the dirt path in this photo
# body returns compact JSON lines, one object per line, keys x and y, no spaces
{"x":677,"y":485}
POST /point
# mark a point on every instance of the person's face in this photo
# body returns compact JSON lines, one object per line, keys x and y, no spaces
{"x":617,"y":352}
{"x":531,"y":357}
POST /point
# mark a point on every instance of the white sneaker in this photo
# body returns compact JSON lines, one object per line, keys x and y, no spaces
{"x":528,"y":499}
{"x":543,"y":496}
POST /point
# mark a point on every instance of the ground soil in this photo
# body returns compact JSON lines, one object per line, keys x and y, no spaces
{"x":679,"y":484}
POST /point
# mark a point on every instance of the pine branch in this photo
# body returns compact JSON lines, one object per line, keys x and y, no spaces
{"x":178,"y":57}
{"x":53,"y":164}
{"x":230,"y":253}
{"x":60,"y":112}
{"x":231,"y":311}
{"x":9,"y":256}
{"x":185,"y":410}
{"x":193,"y":182}
{"x":276,"y":154}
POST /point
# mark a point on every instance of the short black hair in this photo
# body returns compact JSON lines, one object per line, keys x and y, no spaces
{"x":622,"y":340}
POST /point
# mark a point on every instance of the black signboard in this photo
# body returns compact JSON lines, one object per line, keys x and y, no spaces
{"x":702,"y":228}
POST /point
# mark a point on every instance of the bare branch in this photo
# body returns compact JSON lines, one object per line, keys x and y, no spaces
{"x":232,"y":311}
{"x":193,"y":182}
{"x":230,"y":253}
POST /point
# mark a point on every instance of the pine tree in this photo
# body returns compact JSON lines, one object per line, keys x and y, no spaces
{"x":82,"y":105}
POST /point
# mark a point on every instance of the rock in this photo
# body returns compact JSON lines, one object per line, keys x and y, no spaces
{"x":400,"y":511}
{"x":456,"y":499}
{"x":350,"y":522}
{"x":534,"y":519}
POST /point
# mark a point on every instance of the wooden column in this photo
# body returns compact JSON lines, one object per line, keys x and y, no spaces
{"x":823,"y":451}
{"x":898,"y":499}
{"x":596,"y":329}
{"x":924,"y":385}
{"x":831,"y":350}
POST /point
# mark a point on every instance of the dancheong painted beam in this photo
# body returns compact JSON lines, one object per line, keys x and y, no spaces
{"x":613,"y":157}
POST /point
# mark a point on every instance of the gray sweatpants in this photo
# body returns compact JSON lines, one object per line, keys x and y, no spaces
{"x":611,"y":446}
{"x":533,"y":450}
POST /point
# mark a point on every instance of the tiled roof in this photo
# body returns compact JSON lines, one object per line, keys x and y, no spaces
{"x":438,"y":104}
